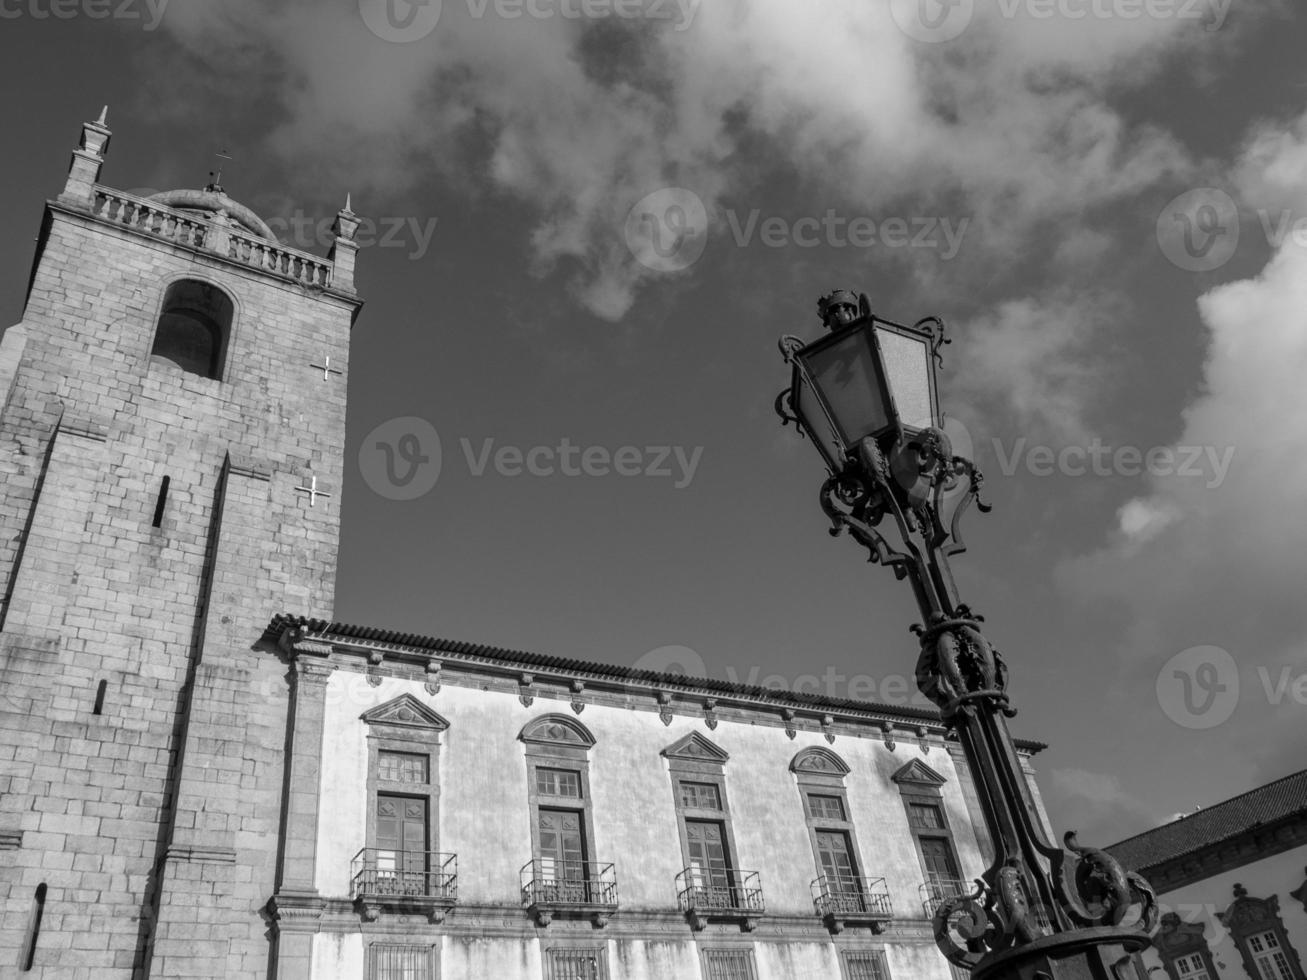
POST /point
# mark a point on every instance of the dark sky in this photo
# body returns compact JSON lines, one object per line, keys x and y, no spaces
{"x":589,"y":232}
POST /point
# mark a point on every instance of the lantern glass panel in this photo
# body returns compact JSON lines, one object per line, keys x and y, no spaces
{"x":907,"y":370}
{"x":845,"y":374}
{"x":808,"y":407}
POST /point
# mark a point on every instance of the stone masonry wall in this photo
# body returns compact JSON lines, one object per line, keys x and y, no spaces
{"x":94,"y":592}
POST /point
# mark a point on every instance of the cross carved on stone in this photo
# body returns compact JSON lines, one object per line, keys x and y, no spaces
{"x":326,"y":368}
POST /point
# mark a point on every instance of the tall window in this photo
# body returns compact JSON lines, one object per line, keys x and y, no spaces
{"x":842,"y":891}
{"x":1269,"y":956}
{"x":711,"y":881}
{"x":563,"y":870}
{"x":194,"y":324}
{"x":923,"y":801}
{"x":400,"y":858}
{"x":1258,"y":933}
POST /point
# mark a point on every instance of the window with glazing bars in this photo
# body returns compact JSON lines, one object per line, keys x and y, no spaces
{"x":705,"y":796}
{"x":865,"y":965}
{"x":728,"y":964}
{"x":558,"y":782}
{"x":925,"y":816}
{"x":394,"y":962}
{"x":826,"y":807}
{"x":576,"y":964}
{"x":1269,"y":957}
{"x":1191,"y":967}
{"x":402,"y":767}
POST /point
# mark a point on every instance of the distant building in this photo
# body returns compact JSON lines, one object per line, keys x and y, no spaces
{"x":1232,"y":883}
{"x":193,"y":784}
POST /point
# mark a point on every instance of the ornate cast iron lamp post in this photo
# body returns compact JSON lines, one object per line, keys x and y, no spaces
{"x":865,"y":394}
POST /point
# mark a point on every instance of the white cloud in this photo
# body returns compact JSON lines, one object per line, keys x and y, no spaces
{"x":584,"y":118}
{"x":1222,"y":564}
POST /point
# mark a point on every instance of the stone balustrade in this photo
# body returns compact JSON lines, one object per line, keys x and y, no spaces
{"x":210,"y":234}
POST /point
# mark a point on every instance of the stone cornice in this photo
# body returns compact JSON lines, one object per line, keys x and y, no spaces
{"x":484,"y":921}
{"x":665,"y":694}
{"x":1234,"y":852}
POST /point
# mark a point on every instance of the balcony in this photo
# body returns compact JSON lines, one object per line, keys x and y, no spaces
{"x":720,"y":894}
{"x":936,"y":890}
{"x":581,"y":890}
{"x":424,"y":882}
{"x":848,"y":900}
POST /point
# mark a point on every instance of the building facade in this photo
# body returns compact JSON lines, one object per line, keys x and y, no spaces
{"x":1232,"y":883}
{"x":195,"y":784}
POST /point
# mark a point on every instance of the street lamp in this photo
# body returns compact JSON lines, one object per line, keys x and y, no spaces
{"x":865,"y":394}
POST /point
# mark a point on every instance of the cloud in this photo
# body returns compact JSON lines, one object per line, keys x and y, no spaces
{"x":1193,"y":562}
{"x":1040,"y":360}
{"x":579,"y":119}
{"x":1104,"y":811}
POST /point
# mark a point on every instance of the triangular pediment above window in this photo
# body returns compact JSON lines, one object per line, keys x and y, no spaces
{"x":405,"y":711}
{"x":919,"y":773}
{"x":819,"y":760}
{"x":557,"y":730}
{"x":695,"y":748}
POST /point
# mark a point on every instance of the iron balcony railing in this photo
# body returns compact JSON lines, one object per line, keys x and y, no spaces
{"x":555,"y":883}
{"x":848,"y":896}
{"x":937,"y":889}
{"x":719,"y":890}
{"x":378,"y":872}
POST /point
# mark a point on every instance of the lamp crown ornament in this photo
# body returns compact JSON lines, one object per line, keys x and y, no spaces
{"x":865,"y":394}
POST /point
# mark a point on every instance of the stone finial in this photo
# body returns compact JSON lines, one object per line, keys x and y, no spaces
{"x":344,"y":250}
{"x":88,"y":158}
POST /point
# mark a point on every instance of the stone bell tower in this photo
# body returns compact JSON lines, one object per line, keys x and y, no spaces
{"x":171,"y":442}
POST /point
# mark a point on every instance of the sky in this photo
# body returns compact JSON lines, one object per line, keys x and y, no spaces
{"x":587,"y":223}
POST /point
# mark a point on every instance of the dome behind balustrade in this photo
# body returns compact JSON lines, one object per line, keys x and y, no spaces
{"x":213,"y":201}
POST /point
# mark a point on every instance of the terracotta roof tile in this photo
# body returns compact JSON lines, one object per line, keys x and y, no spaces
{"x":1275,"y":801}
